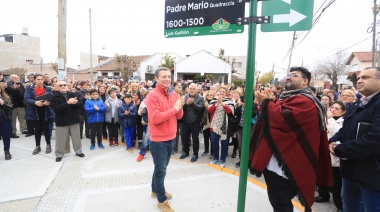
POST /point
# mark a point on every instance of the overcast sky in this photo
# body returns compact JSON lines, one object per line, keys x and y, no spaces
{"x":137,"y":28}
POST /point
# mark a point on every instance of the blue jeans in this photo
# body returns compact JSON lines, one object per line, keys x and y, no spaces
{"x":128,"y":133}
{"x":161,"y":152}
{"x":5,"y":132}
{"x":359,"y":198}
{"x":215,"y":147}
{"x":145,"y":143}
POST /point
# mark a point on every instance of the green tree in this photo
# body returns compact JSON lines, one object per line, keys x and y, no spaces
{"x":168,"y":62}
{"x":266,"y":78}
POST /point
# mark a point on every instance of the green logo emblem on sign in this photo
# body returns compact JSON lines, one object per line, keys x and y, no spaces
{"x":220,"y":24}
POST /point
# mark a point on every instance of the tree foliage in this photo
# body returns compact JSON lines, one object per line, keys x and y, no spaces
{"x":126,"y":65}
{"x":54,"y":66}
{"x":333,"y":67}
{"x":168,"y":62}
{"x":266,"y":78}
{"x":353,"y":77}
{"x":222,"y":56}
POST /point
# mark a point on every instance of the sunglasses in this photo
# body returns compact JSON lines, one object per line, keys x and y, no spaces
{"x":63,"y":85}
{"x":210,"y":95}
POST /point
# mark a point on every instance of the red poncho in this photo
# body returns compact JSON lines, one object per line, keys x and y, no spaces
{"x":290,"y":130}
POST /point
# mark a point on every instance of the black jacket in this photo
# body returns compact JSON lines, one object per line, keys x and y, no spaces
{"x":194,"y":112}
{"x":17,"y":95}
{"x":81,"y":97}
{"x":65,"y":114}
{"x":360,"y":157}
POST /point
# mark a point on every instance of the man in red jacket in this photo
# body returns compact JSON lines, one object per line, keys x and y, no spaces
{"x":164,"y":109}
{"x":289,"y":143}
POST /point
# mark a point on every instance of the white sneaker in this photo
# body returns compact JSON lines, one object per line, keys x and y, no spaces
{"x":214,"y":162}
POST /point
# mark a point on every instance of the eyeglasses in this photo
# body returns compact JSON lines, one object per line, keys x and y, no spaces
{"x":62,"y":85}
{"x":210,"y":95}
{"x":292,"y":75}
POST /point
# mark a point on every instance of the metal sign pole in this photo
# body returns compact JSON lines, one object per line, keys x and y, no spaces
{"x":248,"y":101}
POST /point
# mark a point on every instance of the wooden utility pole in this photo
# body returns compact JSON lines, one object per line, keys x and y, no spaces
{"x":62,"y":25}
{"x":374,"y":33}
{"x":291,"y":51}
{"x":91,"y":68}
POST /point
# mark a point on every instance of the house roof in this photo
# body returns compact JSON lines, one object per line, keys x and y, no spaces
{"x":199,"y":52}
{"x":10,"y":71}
{"x":362,"y":57}
{"x":111,"y":64}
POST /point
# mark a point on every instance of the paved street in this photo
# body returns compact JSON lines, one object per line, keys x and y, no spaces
{"x":112,"y":180}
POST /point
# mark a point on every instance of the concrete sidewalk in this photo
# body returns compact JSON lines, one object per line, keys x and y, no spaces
{"x":110,"y":179}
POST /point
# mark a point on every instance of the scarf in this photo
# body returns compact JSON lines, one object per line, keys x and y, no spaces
{"x":113,"y":106}
{"x":308,"y":93}
{"x":289,"y":130}
{"x":38,"y":91}
{"x":220,"y":117}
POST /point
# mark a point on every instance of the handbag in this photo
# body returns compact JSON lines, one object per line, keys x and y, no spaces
{"x":232,"y":124}
{"x":7,"y":114}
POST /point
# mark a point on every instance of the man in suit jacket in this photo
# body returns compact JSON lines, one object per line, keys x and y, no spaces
{"x":192,"y":118}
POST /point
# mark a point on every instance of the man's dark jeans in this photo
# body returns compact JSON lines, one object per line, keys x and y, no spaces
{"x":83,"y":121}
{"x":161,"y":152}
{"x":194,"y":130}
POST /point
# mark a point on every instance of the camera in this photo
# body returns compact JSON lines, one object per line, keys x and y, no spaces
{"x":18,"y":83}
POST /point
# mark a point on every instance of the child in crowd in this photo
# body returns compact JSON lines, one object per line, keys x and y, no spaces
{"x":112,"y":118}
{"x":127,"y":115}
{"x":95,"y":109}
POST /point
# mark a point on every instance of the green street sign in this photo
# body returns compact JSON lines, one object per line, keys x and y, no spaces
{"x":287,"y":15}
{"x":199,"y":17}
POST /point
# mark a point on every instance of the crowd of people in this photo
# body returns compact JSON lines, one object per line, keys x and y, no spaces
{"x":300,"y":139}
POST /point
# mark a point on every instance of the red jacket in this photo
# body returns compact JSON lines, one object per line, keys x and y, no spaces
{"x":162,"y":116}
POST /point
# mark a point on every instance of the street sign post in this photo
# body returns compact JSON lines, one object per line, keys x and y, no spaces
{"x":61,"y":69}
{"x":198,"y":17}
{"x":288,"y":15}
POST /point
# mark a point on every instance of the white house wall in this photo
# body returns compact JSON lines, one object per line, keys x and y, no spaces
{"x":16,"y":53}
{"x":155,"y":62}
{"x":202,"y":63}
{"x":361,"y":65}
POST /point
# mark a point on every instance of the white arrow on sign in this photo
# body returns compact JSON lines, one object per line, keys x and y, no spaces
{"x":287,"y":1}
{"x":292,"y":18}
